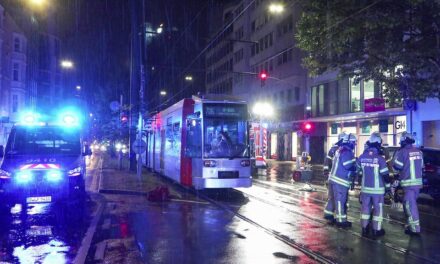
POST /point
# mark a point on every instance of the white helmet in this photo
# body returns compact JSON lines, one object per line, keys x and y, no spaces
{"x":375,"y":138}
{"x":341,"y":135}
{"x":349,"y":138}
{"x":407,"y":138}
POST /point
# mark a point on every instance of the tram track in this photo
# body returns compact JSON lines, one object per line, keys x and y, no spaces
{"x":321,"y":221}
{"x":285,"y":239}
{"x":288,"y":185}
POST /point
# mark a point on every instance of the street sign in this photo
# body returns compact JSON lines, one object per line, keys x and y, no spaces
{"x":139,"y":146}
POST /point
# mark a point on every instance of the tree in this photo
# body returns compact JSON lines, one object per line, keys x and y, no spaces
{"x":394,"y":42}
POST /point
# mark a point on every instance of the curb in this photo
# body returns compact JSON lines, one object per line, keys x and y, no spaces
{"x":126,"y":192}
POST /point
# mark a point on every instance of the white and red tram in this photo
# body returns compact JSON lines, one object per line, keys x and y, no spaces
{"x":201,"y":142}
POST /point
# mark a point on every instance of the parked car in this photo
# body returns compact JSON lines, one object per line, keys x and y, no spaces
{"x":431,"y":175}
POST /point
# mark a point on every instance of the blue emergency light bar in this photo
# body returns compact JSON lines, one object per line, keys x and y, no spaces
{"x":68,"y":118}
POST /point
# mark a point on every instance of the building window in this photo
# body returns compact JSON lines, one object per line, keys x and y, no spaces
{"x":355,"y":96}
{"x":289,"y":95}
{"x":238,"y":55}
{"x":17,"y":44}
{"x":318,"y":100}
{"x":14,"y":103}
{"x":297,"y":93}
{"x":368,"y":89}
{"x":16,"y":72}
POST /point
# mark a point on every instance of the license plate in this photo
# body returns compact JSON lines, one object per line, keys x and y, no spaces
{"x":39,"y":231}
{"x":41,"y":199}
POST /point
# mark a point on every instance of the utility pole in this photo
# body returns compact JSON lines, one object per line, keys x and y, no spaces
{"x":134,"y":78}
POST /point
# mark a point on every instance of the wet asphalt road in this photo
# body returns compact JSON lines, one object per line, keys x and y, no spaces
{"x":273,"y":222}
{"x":45,"y":233}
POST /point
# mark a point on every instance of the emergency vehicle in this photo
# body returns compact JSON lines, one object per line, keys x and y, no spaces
{"x":43,"y":161}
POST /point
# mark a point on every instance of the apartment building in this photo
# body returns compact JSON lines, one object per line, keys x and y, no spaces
{"x":13,"y":66}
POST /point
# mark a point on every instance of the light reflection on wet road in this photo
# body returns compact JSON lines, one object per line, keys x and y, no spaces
{"x":44,"y":234}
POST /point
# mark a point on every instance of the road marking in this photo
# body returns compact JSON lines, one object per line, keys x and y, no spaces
{"x":87,"y":240}
{"x":100,"y":250}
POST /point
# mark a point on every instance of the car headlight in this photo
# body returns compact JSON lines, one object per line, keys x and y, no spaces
{"x":4,"y":174}
{"x":75,"y":172}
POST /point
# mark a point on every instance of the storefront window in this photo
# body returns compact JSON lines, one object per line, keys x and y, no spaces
{"x":273,"y":145}
{"x":368,"y":89}
{"x":355,"y":96}
{"x":294,"y":145}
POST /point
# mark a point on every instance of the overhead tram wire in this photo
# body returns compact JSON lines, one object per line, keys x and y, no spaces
{"x":206,"y":48}
{"x":187,"y":27}
{"x":239,"y":15}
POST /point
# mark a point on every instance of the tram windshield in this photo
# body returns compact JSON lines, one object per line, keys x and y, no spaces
{"x":225,"y":131}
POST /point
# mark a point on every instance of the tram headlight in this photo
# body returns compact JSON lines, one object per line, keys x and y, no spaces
{"x":245,"y":163}
{"x":209,"y":163}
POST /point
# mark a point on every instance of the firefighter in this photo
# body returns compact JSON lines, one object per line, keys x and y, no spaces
{"x":409,"y":162}
{"x":344,"y":163}
{"x":329,"y":208}
{"x":374,"y":180}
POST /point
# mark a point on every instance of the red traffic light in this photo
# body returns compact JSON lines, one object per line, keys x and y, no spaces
{"x":263,"y":75}
{"x":124,"y":118}
{"x":307,"y":127}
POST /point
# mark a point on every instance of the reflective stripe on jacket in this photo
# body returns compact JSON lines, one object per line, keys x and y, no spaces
{"x":373,"y":167}
{"x":344,"y":163}
{"x":409,"y":162}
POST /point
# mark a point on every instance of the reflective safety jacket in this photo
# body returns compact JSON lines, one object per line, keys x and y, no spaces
{"x":409,"y":161}
{"x":329,"y":159}
{"x":344,"y":163}
{"x":374,"y":168}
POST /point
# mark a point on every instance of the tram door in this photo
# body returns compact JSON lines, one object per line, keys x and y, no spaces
{"x":162,"y":150}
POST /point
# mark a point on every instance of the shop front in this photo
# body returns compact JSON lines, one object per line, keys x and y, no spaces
{"x":389,"y":124}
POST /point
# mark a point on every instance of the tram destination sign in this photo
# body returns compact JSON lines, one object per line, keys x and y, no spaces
{"x":229,"y":110}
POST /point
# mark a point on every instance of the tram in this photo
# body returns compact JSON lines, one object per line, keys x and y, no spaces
{"x":201,"y":142}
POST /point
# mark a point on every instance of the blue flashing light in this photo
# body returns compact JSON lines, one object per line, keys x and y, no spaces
{"x":29,"y":118}
{"x":69,"y":118}
{"x":24,"y":177}
{"x":54,"y":175}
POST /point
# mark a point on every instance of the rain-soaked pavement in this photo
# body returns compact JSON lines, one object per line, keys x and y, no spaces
{"x":274,"y":221}
{"x":44,"y":233}
{"x":271,"y":222}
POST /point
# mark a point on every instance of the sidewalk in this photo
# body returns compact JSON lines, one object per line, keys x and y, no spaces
{"x":115,"y":181}
{"x":285,"y":170}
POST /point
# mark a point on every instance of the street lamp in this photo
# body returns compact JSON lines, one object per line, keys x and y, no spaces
{"x":262,"y":110}
{"x":78,"y":88}
{"x":276,"y":8}
{"x":67,"y":64}
{"x":37,"y":2}
{"x":163,"y":93}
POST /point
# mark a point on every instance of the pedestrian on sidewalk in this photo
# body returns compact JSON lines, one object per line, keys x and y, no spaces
{"x":329,"y":208}
{"x":344,"y":164}
{"x":409,"y":162}
{"x":374,"y":180}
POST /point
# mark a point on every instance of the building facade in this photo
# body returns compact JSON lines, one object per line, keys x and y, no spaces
{"x":340,"y":104}
{"x":260,"y":41}
{"x":13,"y":67}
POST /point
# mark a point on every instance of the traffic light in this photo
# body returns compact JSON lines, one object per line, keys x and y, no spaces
{"x":307,"y":127}
{"x":124,"y":118}
{"x":263,"y":77}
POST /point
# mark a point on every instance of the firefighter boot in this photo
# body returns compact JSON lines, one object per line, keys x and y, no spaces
{"x":365,"y":232}
{"x":378,"y":233}
{"x":345,"y":224}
